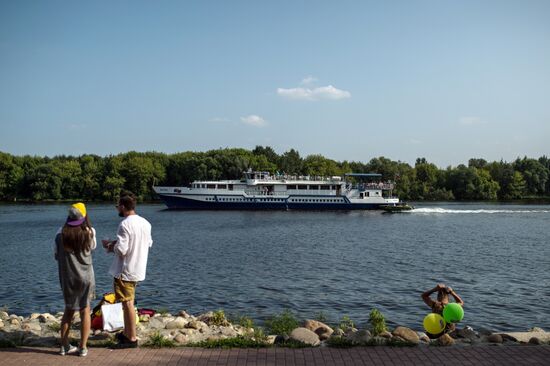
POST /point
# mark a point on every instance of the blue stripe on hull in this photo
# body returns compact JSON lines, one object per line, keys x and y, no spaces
{"x":189,"y":204}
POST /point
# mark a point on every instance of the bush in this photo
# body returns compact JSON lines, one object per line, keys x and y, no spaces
{"x":54,"y":327}
{"x":378,"y":322}
{"x":282,"y":324}
{"x":218,"y":318}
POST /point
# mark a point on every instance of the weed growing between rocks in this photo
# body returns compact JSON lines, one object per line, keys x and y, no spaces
{"x":346,"y":323}
{"x":163,"y":311}
{"x":339,"y":342}
{"x":245,"y":321}
{"x":322,"y":317}
{"x":282,"y":324}
{"x":378,"y":322}
{"x":218,"y":318}
{"x":157,"y":340}
{"x":54,"y":327}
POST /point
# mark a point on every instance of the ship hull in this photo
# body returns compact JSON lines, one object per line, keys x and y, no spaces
{"x":185,"y":203}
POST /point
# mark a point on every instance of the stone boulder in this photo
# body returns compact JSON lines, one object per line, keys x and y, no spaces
{"x":407,"y":334}
{"x":361,"y":337}
{"x":445,"y":340}
{"x":495,"y":338}
{"x":156,"y":323}
{"x":178,"y":323}
{"x":385,"y":334}
{"x":321,"y":329}
{"x":524,"y":337}
{"x":305,"y":336}
{"x":4,"y":315}
{"x":535,"y":341}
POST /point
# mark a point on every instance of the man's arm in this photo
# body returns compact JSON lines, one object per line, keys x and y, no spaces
{"x":457,"y":298}
{"x":121,"y":245}
{"x":426,"y":295}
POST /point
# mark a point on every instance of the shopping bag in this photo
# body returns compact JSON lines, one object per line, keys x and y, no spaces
{"x":113,"y":318}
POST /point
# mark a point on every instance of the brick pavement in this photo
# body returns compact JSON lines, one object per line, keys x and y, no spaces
{"x":481,"y":355}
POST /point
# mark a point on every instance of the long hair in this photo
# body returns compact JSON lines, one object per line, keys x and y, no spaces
{"x":77,"y":238}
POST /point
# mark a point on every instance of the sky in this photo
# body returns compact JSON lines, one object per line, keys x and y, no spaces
{"x":446,"y":80}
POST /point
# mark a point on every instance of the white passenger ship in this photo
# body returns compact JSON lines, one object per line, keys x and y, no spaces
{"x":260,"y":190}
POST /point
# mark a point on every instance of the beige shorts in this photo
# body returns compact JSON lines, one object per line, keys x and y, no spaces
{"x":124,"y":290}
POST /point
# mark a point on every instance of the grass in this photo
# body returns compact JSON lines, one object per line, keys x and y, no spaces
{"x":235,"y":342}
{"x":339,"y":342}
{"x":321,"y":317}
{"x":378,"y":322}
{"x":282,"y":324}
{"x":245,"y":321}
{"x":157,"y":340}
{"x":163,"y":311}
{"x":54,"y":327}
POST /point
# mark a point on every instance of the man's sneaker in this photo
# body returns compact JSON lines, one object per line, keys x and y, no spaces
{"x":125,"y":344}
{"x":66,"y":350}
{"x":83,"y":352}
{"x":121,"y":337}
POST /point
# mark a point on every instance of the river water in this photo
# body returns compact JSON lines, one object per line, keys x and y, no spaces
{"x":258,"y":263}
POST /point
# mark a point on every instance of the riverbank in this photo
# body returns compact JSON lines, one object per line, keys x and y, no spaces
{"x":214,"y":330}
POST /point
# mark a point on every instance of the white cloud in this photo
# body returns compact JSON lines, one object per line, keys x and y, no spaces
{"x":218,"y":119}
{"x":471,"y":121}
{"x":323,"y":92}
{"x":254,"y":120}
{"x":308,"y":80}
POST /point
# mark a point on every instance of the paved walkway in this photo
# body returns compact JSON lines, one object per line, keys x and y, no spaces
{"x":482,"y":355}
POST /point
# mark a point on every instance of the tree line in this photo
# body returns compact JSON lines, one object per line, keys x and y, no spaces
{"x":97,"y":178}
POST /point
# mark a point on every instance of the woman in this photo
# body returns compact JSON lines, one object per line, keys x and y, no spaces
{"x":74,"y":243}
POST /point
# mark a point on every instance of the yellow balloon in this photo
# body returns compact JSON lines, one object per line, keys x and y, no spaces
{"x":434,"y":323}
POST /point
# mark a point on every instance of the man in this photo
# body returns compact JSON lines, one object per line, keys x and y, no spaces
{"x":437,"y":306}
{"x":131,"y":249}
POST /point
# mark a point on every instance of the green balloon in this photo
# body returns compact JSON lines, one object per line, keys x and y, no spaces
{"x":453,"y":313}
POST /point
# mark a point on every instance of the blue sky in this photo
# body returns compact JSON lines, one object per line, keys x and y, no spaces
{"x":445,"y":80}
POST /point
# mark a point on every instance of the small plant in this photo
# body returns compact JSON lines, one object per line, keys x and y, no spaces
{"x":157,"y":340}
{"x":378,"y":322}
{"x":346,"y":323}
{"x":54,"y":327}
{"x":218,"y":318}
{"x":321,"y":317}
{"x":282,"y":324}
{"x":163,"y":311}
{"x":245,"y":322}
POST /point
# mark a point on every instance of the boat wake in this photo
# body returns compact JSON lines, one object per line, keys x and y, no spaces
{"x":438,"y":210}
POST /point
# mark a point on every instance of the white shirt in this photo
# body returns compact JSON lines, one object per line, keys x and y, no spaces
{"x":131,"y":249}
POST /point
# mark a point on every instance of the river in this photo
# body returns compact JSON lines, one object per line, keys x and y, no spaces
{"x":258,"y":263}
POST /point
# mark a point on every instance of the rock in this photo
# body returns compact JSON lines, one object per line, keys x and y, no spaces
{"x":524,"y":337}
{"x":188,"y":331}
{"x":181,"y":338}
{"x":466,"y":333}
{"x":361,"y":337}
{"x":423,"y":337}
{"x":144,"y":318}
{"x":536,"y":330}
{"x":338,"y":332}
{"x":4,"y":315}
{"x":32,"y":327}
{"x":1,"y":324}
{"x":15,"y":322}
{"x":156,"y":323}
{"x":407,"y":334}
{"x":445,"y":340}
{"x":196,"y":324}
{"x":385,"y":334}
{"x":495,"y":338}
{"x":183,"y":314}
{"x":322,"y":330}
{"x":535,"y":341}
{"x":34,"y":316}
{"x":228,"y":332}
{"x":43,"y":318}
{"x":270,"y":339}
{"x":279,"y":339}
{"x":40,"y":341}
{"x":178,"y":323}
{"x":305,"y":336}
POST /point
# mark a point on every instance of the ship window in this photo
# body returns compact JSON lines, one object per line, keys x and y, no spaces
{"x":314,"y":187}
{"x":325,"y":188}
{"x":230,"y":187}
{"x":291,"y":187}
{"x":302,"y":186}
{"x":222,"y":186}
{"x":211,"y":186}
